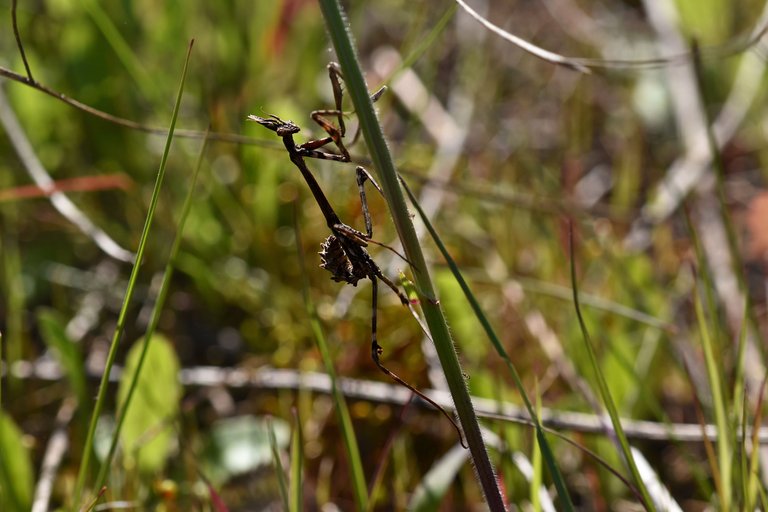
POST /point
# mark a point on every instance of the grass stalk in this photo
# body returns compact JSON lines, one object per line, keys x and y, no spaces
{"x":382,"y":160}
{"x":543,"y":444}
{"x":279,"y":470}
{"x":725,"y":464}
{"x":296,"y":495}
{"x":119,"y":328}
{"x":605,"y":392}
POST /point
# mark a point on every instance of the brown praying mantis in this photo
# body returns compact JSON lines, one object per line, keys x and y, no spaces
{"x":344,"y":252}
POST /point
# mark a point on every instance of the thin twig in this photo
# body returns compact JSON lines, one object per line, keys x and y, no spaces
{"x":17,"y":35}
{"x":134,"y":125}
{"x":587,"y":65}
{"x":59,"y":200}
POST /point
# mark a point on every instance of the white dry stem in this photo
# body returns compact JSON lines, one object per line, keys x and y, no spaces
{"x":58,"y":199}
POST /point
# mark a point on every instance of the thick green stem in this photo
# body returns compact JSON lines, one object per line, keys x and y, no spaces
{"x":382,"y":160}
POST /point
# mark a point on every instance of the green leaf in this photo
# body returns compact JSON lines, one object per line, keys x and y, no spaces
{"x":65,"y":350}
{"x":16,"y":475}
{"x":148,"y":431}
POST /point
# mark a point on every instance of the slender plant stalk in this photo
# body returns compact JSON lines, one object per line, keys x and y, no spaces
{"x":753,"y":479}
{"x":709,"y":328}
{"x":297,"y":467}
{"x":119,"y":329}
{"x":724,"y":451}
{"x":279,"y":470}
{"x":546,"y":450}
{"x":605,"y":392}
{"x":382,"y":160}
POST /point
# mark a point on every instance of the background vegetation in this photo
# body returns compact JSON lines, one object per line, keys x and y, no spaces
{"x":504,"y":150}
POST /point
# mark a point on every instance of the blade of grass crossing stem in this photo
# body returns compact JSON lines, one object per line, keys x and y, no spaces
{"x":546,"y":450}
{"x":297,"y":466}
{"x":709,"y":327}
{"x":119,"y":328}
{"x":276,"y":459}
{"x":603,"y":385}
{"x":155,"y":319}
{"x":382,"y":160}
{"x":359,"y":486}
{"x":724,"y":450}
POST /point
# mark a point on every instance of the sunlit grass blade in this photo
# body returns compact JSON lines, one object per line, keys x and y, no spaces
{"x":602,"y":385}
{"x":359,"y":487}
{"x":296,"y":495}
{"x":119,"y":328}
{"x":722,"y":465}
{"x":374,"y":137}
{"x":547,"y":453}
{"x":724,"y":450}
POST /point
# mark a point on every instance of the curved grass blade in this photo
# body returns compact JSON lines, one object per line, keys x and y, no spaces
{"x":602,"y":385}
{"x":724,"y":450}
{"x":546,"y":450}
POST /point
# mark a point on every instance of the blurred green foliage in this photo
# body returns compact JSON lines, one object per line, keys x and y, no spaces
{"x":527,"y":136}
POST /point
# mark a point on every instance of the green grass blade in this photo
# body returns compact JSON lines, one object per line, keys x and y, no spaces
{"x":605,"y":392}
{"x":279,"y":470}
{"x":536,"y":478}
{"x":724,"y":449}
{"x":102,"y":393}
{"x":382,"y":160}
{"x":296,"y":498}
{"x":724,"y":464}
{"x":359,"y":487}
{"x":753,"y":477}
{"x":156,"y":312}
{"x":489,"y":331}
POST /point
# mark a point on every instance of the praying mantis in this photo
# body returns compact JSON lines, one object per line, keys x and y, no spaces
{"x":344,"y":253}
